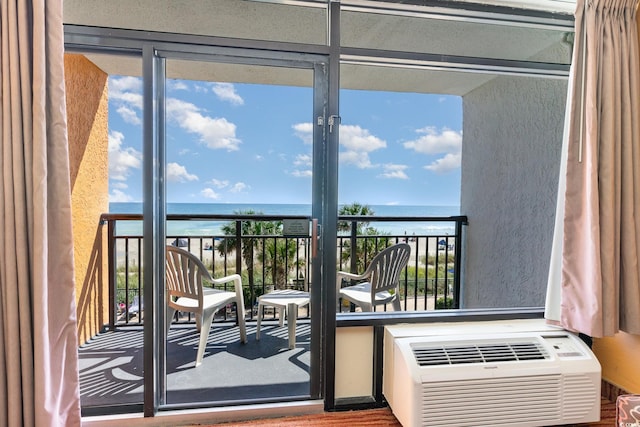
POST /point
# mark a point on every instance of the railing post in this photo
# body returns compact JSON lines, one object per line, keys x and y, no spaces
{"x":458,"y":259}
{"x":239,"y":247}
{"x":111,"y":249}
{"x":354,"y":247}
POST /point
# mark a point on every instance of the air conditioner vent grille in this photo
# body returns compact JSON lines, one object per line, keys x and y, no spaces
{"x":456,"y":353}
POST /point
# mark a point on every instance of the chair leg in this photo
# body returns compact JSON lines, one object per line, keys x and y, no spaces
{"x":259,"y":322}
{"x":281,"y":315}
{"x":292,"y":318}
{"x":240,"y":317}
{"x":169,"y":319}
{"x":198,"y":322}
{"x":396,"y":304}
{"x":207,"y":319}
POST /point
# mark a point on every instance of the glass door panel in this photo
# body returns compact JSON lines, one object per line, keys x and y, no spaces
{"x":239,"y":162}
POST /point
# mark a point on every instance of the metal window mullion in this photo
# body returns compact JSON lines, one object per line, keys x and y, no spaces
{"x":154,"y":233}
{"x":440,"y":62}
{"x":330,"y":209}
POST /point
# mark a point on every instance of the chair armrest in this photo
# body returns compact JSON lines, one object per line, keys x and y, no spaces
{"x":349,"y":276}
{"x":235,"y":278}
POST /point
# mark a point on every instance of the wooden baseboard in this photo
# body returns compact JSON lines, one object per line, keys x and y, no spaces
{"x":610,"y":391}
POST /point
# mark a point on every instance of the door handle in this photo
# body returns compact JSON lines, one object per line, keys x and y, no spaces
{"x":314,"y":237}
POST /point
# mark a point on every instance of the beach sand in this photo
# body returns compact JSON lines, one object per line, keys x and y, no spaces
{"x":421,"y":248}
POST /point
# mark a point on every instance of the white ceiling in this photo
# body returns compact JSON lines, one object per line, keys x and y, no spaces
{"x":290,"y":22}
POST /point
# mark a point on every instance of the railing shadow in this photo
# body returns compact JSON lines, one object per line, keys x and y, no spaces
{"x":111,"y":365}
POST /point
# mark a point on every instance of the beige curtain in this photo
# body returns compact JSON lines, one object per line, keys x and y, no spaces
{"x":38,"y":344}
{"x":598,"y":282}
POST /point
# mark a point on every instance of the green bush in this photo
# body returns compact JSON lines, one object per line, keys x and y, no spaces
{"x":443,"y":304}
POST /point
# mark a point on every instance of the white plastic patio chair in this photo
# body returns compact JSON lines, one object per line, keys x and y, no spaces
{"x":382,"y":285}
{"x":185,"y":292}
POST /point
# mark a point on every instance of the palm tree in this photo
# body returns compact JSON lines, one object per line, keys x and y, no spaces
{"x":278,"y":254}
{"x":365,"y":248}
{"x":281,"y":256}
{"x":354,"y":209}
{"x":249,"y":231}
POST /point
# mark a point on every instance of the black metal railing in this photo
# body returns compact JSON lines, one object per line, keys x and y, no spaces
{"x":272,"y":261}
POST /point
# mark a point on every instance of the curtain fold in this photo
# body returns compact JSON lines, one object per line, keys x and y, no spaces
{"x":599,"y":280}
{"x":38,"y":338}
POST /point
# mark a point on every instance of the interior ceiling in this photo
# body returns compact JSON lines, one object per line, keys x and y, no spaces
{"x":291,"y":22}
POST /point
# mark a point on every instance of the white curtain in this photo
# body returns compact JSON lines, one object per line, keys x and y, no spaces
{"x":594,"y":279}
{"x":38,"y":343}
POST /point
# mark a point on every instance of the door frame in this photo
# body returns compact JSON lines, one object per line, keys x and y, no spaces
{"x":154,"y":190}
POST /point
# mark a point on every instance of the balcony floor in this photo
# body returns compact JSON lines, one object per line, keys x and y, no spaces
{"x":111,"y":366}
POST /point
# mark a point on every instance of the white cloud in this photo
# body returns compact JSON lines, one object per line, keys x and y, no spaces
{"x":357,"y":144}
{"x":355,"y":141}
{"x":215,"y":133}
{"x":117,"y":196}
{"x":304,"y":131}
{"x":360,"y":160}
{"x":239,"y":187}
{"x":306,"y":173}
{"x":129,"y":115}
{"x":122,"y":159}
{"x":178,"y":173}
{"x":227,"y":92}
{"x":394,"y":171}
{"x":302,"y":160}
{"x":126,"y":94}
{"x":120,"y":185}
{"x":303,"y":165}
{"x":219,"y":183}
{"x":177,"y":85}
{"x":354,"y":138}
{"x":125,"y":84}
{"x":445,"y":141}
{"x":210,"y":194}
{"x":435,"y":142}
{"x":446,"y":164}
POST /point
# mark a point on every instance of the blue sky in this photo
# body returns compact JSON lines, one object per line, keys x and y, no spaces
{"x":244,"y":143}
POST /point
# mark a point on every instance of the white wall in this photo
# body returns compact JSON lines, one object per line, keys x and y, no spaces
{"x":354,"y":362}
{"x":510,"y":161}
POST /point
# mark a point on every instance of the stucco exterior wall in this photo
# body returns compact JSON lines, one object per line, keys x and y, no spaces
{"x":510,"y":163}
{"x":87,"y":121}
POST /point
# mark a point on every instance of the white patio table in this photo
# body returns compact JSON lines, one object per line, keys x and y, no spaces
{"x":290,"y":299}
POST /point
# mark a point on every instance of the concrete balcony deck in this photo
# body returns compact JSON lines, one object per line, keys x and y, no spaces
{"x":111,"y":366}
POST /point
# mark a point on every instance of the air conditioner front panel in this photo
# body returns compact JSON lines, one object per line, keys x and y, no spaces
{"x":529,"y":379}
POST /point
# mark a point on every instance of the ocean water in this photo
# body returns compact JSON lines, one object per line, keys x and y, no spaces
{"x":212,"y":228}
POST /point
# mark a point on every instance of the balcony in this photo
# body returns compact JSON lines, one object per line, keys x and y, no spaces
{"x":111,"y":363}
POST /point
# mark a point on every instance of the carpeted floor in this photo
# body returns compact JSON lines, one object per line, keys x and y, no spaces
{"x":381,"y":418}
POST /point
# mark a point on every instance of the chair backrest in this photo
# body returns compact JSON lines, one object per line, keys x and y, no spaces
{"x":385,"y":268}
{"x":184,"y":273}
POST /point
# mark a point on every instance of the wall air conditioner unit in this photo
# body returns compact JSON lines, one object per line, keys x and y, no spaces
{"x":490,"y":376}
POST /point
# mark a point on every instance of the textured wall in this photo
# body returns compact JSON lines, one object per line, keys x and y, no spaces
{"x":87,"y":117}
{"x":510,"y":162}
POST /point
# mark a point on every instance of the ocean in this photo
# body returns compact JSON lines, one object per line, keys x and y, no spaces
{"x":199,"y":228}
